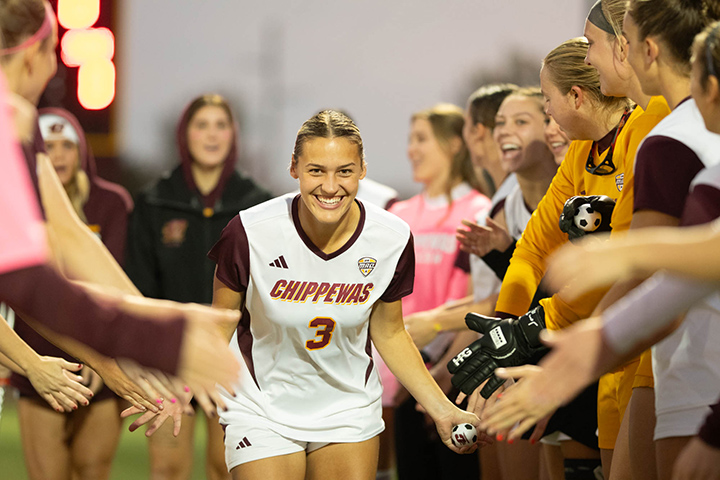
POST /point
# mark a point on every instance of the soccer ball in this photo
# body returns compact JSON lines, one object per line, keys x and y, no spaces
{"x":464,"y":435}
{"x":586,"y":218}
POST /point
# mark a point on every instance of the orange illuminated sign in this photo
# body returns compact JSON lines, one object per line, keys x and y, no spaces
{"x":90,"y":49}
{"x":78,"y":13}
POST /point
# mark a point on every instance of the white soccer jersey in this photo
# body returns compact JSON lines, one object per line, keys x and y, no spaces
{"x":686,"y":364}
{"x":484,"y":280}
{"x":686,"y":125}
{"x":303,"y":340}
{"x":517,"y":214}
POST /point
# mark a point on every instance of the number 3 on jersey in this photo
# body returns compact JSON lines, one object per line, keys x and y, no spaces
{"x":325,"y":327}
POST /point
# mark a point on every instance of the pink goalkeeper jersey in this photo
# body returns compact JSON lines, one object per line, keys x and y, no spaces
{"x":433,"y":224}
{"x":22,"y":236}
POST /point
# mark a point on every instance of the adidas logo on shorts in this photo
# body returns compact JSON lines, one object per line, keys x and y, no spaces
{"x":243,"y":443}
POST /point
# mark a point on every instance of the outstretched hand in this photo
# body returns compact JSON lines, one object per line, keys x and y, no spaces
{"x":144,"y":398}
{"x":175,"y":410}
{"x":206,"y":360}
{"x":562,"y":374}
{"x":54,"y":380}
{"x":455,"y":416}
{"x":481,"y":240}
{"x":569,"y":267}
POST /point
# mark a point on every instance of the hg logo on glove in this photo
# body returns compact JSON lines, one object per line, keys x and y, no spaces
{"x":460,"y":357}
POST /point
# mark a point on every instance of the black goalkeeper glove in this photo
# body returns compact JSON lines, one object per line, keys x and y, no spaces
{"x":584,"y":215}
{"x":505,"y":343}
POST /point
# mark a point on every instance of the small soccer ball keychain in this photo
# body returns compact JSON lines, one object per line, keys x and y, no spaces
{"x":463,"y":435}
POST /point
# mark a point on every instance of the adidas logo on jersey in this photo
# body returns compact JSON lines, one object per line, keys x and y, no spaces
{"x":279,"y":262}
{"x":243,"y":443}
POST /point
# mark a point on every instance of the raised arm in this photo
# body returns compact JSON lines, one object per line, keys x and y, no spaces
{"x":81,"y":255}
{"x":690,"y":251}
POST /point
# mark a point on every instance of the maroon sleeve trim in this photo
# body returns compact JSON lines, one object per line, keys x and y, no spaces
{"x":701,"y":206}
{"x":710,"y":431}
{"x":402,"y":282}
{"x":663,"y":171}
{"x":40,"y":293}
{"x":498,"y":206}
{"x":462,"y":261}
{"x":232,"y":255}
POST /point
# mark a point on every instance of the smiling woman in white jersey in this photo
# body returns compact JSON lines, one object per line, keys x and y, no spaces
{"x":317,"y":277}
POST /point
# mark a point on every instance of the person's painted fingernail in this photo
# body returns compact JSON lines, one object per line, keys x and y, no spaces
{"x":533,"y":441}
{"x":499,"y":396}
{"x":187,"y":389}
{"x":511,"y":441}
{"x":159,"y":400}
{"x":500,"y":438}
{"x":172,"y":400}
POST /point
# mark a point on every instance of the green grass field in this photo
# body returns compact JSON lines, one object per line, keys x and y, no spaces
{"x":131,"y":461}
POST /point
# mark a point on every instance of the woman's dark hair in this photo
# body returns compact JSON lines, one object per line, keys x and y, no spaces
{"x":484,"y":102}
{"x":328,"y":124}
{"x":675,"y":22}
{"x":706,"y":50}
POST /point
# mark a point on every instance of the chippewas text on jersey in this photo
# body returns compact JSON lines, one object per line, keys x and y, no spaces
{"x":337,"y":293}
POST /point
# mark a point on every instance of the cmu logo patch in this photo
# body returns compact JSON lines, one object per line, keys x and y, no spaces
{"x":619,"y":181}
{"x":366,"y":265}
{"x":173,"y":232}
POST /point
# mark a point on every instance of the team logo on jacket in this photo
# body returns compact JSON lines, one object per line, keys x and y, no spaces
{"x":619,"y":181}
{"x":173,"y":232}
{"x":366,"y":265}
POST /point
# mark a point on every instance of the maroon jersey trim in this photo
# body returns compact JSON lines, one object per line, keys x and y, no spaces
{"x":313,"y":248}
{"x":371,"y":362}
{"x":498,"y":206}
{"x":701,"y":206}
{"x":245,"y":343}
{"x":664,"y":169}
{"x":231,"y":253}
{"x":403,"y":279}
